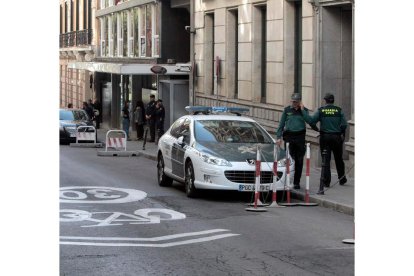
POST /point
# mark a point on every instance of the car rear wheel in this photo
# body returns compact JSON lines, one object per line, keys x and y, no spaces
{"x":190,"y":189}
{"x":163,"y":179}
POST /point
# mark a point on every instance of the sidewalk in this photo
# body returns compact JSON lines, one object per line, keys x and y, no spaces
{"x":337,"y":197}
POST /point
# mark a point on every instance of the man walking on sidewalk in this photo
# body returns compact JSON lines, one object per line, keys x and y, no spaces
{"x":292,"y":125}
{"x":150,"y":116}
{"x":333,"y":126}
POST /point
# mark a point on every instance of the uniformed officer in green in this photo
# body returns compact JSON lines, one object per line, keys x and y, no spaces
{"x":292,"y":126}
{"x":332,"y":128}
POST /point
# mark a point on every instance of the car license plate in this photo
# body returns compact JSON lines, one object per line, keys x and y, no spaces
{"x":250,"y":188}
{"x":73,"y":135}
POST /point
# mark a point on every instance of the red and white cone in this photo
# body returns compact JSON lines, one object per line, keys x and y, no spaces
{"x":307,"y":203}
{"x":274,"y":202}
{"x":287,"y":186}
{"x":257,"y":201}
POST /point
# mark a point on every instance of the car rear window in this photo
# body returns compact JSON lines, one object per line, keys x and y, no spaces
{"x":230,"y":131}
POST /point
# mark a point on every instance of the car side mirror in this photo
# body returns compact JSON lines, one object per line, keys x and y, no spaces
{"x":182,"y":140}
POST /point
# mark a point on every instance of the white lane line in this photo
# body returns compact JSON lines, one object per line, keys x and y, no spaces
{"x":162,"y":238}
{"x":154,"y":244}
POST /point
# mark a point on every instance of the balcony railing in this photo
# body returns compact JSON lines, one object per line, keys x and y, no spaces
{"x":77,"y":38}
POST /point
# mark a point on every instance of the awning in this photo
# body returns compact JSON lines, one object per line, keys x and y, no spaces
{"x":130,"y":69}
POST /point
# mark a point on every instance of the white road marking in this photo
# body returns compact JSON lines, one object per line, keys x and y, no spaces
{"x":99,"y":194}
{"x":154,"y":244}
{"x":162,"y":238}
{"x":141,"y":216}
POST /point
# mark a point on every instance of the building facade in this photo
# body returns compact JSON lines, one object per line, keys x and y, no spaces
{"x":256,"y":53}
{"x":138,"y":48}
{"x":75,"y":44}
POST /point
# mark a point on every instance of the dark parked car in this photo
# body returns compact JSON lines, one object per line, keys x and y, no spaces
{"x":69,"y":120}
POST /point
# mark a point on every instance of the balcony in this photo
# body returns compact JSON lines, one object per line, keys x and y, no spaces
{"x":77,"y":38}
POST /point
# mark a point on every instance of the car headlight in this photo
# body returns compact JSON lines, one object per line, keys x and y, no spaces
{"x":214,"y":160}
{"x":282,"y":162}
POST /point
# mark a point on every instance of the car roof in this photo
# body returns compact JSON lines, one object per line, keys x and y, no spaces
{"x":220,"y":117}
{"x":71,"y":109}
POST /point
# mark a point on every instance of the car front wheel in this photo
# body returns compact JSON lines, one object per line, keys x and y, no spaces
{"x":163,"y":179}
{"x":190,"y":189}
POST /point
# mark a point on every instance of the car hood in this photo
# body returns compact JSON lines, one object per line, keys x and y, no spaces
{"x":238,"y":152}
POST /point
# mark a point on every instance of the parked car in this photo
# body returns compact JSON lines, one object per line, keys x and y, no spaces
{"x":217,"y":151}
{"x":69,"y":120}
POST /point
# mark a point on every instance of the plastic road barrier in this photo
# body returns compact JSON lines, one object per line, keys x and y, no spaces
{"x":87,"y":136}
{"x":257,"y":185}
{"x":307,"y":203}
{"x":287,"y":186}
{"x":118,"y":144}
{"x":274,"y":191}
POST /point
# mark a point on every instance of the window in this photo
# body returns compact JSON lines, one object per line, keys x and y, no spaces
{"x":125,"y":33}
{"x":232,"y":53}
{"x":131,"y":33}
{"x":119,"y":34}
{"x":110,"y":37}
{"x":209,"y":53}
{"x":155,"y":32}
{"x":148,"y":28}
{"x":142,"y":29}
{"x":259,"y":53}
{"x":298,"y":47}
{"x":77,"y":16}
{"x":175,"y":128}
{"x":104,"y":35}
{"x":115,"y":34}
{"x":229,"y":131}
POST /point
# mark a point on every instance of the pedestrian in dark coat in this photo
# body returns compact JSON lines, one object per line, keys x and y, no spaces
{"x":292,"y":126}
{"x":333,"y":126}
{"x":97,"y":112}
{"x":125,"y":119}
{"x":159,"y":118}
{"x":88,"y":109}
{"x":139,"y":119}
{"x":150,"y":117}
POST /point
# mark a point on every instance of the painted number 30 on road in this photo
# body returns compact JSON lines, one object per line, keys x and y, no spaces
{"x":96,"y":194}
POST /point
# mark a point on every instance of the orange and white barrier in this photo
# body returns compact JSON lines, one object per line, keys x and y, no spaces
{"x":115,"y":142}
{"x":85,"y":136}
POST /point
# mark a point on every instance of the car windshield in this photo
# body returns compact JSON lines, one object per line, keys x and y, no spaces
{"x":230,"y":131}
{"x":71,"y":115}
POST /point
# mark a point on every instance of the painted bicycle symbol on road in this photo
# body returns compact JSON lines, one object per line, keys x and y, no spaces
{"x":140,"y":216}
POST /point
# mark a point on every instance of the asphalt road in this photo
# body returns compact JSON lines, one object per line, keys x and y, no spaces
{"x":116,"y":220}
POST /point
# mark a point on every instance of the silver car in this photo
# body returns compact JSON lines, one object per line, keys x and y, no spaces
{"x":218,"y":152}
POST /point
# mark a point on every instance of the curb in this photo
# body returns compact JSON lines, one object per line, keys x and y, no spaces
{"x":86,"y":145}
{"x":118,"y":153}
{"x":346,"y":209}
